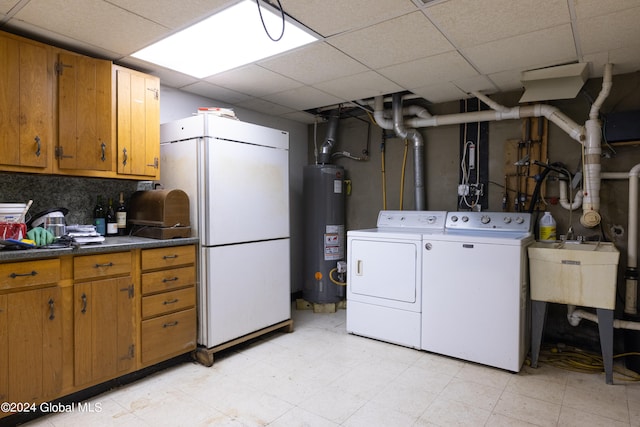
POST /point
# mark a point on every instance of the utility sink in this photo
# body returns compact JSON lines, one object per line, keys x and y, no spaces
{"x":583,"y":274}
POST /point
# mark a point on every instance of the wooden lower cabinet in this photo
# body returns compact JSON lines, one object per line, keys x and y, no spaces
{"x":76,"y":321}
{"x":31,"y":345}
{"x":104,"y":329}
{"x":168,"y":303}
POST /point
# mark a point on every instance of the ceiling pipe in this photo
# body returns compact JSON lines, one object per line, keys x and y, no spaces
{"x":418,"y":149}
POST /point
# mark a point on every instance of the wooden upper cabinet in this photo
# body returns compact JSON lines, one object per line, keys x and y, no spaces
{"x":85,"y":138}
{"x":25,"y":105}
{"x":138,"y":123}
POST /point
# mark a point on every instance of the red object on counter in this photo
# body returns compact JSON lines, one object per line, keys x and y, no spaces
{"x":13,"y":230}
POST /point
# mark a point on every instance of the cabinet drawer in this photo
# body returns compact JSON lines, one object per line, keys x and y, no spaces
{"x":29,"y":273}
{"x":101,"y":265}
{"x":168,"y":257}
{"x":169,"y":335}
{"x":164,"y":280}
{"x":167,"y":302}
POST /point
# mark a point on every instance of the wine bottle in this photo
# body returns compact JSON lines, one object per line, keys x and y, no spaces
{"x":112,"y":224}
{"x":121,"y":216}
{"x":99,"y":217}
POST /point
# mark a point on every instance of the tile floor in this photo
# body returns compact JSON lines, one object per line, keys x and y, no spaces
{"x":321,"y":376}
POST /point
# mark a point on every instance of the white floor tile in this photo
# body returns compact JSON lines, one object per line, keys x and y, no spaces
{"x":320,"y":375}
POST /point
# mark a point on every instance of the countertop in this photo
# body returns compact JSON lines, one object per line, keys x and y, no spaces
{"x":111,"y":244}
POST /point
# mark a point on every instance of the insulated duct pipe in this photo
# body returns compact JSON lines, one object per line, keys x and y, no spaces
{"x":418,"y":150}
{"x":330,"y":139}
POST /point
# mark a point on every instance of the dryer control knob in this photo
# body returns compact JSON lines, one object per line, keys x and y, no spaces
{"x":454,"y":218}
{"x":519,"y":220}
{"x":485,"y":219}
{"x":507,"y":219}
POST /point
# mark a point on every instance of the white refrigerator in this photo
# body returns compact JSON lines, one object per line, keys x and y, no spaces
{"x":236,"y":175}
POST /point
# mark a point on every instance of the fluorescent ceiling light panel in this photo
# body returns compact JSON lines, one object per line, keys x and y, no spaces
{"x":227,"y":40}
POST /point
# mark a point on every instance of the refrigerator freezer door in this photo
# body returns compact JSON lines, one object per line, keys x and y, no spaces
{"x":246,"y":193}
{"x":248,"y":288}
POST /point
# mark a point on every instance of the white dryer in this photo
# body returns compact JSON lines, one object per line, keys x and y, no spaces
{"x":384,"y":276}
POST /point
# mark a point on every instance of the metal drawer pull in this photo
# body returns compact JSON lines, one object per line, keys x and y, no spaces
{"x":84,"y":303}
{"x":14,"y":275}
{"x":52,"y":313}
{"x":38,"y":151}
{"x":169,"y":256}
{"x":173,"y":279}
{"x":108,"y":264}
{"x":103,"y":148}
{"x":167,"y":325}
{"x":172,"y":301}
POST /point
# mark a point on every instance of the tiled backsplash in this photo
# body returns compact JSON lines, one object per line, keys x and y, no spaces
{"x":77,"y":194}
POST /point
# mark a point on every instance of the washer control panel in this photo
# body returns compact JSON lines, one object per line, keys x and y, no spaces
{"x":412,"y":219}
{"x":489,"y":221}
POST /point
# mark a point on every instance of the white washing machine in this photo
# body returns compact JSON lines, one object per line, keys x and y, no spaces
{"x":475,"y":292}
{"x":384,"y":276}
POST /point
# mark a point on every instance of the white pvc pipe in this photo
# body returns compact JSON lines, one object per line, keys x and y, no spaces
{"x":607,"y":83}
{"x":564,"y":201}
{"x":574,"y":317}
{"x":631,"y":296}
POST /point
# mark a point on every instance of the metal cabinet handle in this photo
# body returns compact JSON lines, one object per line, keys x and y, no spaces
{"x":14,"y":275}
{"x":108,"y":264}
{"x":169,"y":256}
{"x":37,"y":139}
{"x":52,"y":313}
{"x":125,"y":157}
{"x":172,"y":301}
{"x":168,"y":325}
{"x":103,"y":147}
{"x":172,"y":279}
{"x":84,"y":303}
{"x":155,"y":163}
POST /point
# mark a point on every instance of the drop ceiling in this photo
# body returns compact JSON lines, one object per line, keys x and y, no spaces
{"x":439,"y":50}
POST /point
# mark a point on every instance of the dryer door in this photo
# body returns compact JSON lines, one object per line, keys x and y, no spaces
{"x":385,"y":272}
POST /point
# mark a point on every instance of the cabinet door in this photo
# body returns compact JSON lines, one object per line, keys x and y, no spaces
{"x":138,"y":121}
{"x":104,"y":335}
{"x":84,"y":113}
{"x":31,"y":327}
{"x":4,"y":350}
{"x":25,"y":102}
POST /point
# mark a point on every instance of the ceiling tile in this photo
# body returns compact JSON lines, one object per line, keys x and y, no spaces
{"x":90,"y":20}
{"x":609,"y":32}
{"x":427,"y":71}
{"x":543,"y":48}
{"x":440,"y":92}
{"x":587,"y":9}
{"x":303,"y":98}
{"x":472,"y":22}
{"x":401,"y":39}
{"x":215,"y":92}
{"x":7,"y":5}
{"x":263,"y":106}
{"x":313,"y":63}
{"x":476,"y":83}
{"x":358,"y":86}
{"x":507,"y":80}
{"x":625,"y":60}
{"x":171,"y":13}
{"x":253,"y":79}
{"x":330,"y":17}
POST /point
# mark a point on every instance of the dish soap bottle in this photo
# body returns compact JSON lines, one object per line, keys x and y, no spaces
{"x":547,"y":227}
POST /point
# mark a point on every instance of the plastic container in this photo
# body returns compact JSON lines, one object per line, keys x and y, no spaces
{"x":10,"y":212}
{"x":547,"y":227}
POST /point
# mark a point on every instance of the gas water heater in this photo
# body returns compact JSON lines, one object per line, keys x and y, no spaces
{"x":325,"y":236}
